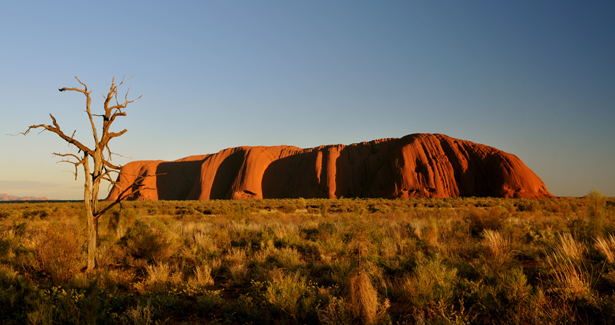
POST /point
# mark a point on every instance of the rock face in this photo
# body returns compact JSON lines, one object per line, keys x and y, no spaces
{"x":417,"y":165}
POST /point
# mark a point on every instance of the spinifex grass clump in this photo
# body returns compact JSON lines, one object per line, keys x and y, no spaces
{"x":364,"y":301}
{"x":427,"y":261}
{"x":606,"y":247}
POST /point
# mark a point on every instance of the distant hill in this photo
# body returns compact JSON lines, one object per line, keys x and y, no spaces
{"x":417,"y":165}
{"x":6,"y":197}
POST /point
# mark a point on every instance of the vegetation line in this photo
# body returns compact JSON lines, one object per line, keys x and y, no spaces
{"x":312,"y":261}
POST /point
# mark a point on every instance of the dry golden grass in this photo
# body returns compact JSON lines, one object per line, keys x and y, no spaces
{"x":497,"y":246}
{"x":202,"y":275}
{"x":162,"y":273}
{"x":571,"y":277}
{"x":606,"y":247}
{"x":448,"y":261}
{"x":59,"y":250}
{"x":363,"y":298}
{"x":570,"y":248}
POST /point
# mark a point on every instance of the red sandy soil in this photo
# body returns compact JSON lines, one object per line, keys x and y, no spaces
{"x":417,"y":165}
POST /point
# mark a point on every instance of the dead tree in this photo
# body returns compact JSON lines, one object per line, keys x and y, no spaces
{"x":100,"y":156}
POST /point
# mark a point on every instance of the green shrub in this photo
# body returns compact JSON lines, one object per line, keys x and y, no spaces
{"x":293,"y":295}
{"x":143,"y":242}
{"x":207,"y":302}
{"x":288,"y":208}
{"x":324,"y":210}
{"x":431,"y":281}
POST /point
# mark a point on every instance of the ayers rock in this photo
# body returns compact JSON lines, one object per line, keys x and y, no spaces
{"x":417,"y":165}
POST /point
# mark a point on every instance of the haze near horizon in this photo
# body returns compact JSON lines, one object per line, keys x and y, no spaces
{"x":533,"y":79}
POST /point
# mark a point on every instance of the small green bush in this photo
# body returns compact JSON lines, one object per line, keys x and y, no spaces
{"x":143,"y":242}
{"x":288,"y":208}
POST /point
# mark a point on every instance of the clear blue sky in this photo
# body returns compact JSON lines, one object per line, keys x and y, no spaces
{"x":533,"y":78}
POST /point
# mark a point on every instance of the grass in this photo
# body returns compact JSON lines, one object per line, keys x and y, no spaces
{"x":308,"y":261}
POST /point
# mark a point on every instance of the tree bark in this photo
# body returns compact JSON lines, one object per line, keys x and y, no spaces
{"x":91,"y":222}
{"x":94,"y":177}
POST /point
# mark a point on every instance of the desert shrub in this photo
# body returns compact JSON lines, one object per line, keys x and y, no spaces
{"x":5,"y":214}
{"x":431,"y":281}
{"x":288,"y":208}
{"x":40,"y":213}
{"x":113,"y":222}
{"x":336,"y":312}
{"x":109,"y":255}
{"x":208,"y":301}
{"x":246,"y":309}
{"x":7,"y":273}
{"x":301,"y":203}
{"x":143,"y":242}
{"x":139,"y":315}
{"x":59,"y":250}
{"x":597,"y":215}
{"x":19,"y":228}
{"x":293,"y":295}
{"x":326,"y":230}
{"x":5,"y":247}
{"x":18,"y":297}
{"x":431,"y":232}
{"x":527,"y":205}
{"x":516,"y":290}
{"x":499,"y":297}
{"x":324,"y":210}
{"x":114,"y":280}
{"x":379,"y":208}
{"x":480,"y":219}
{"x":240,"y":212}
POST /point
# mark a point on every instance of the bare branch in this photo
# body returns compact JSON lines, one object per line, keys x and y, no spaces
{"x":123,"y":195}
{"x":80,"y":161}
{"x":73,"y":89}
{"x":103,"y":168}
{"x":110,"y":165}
{"x":113,"y":153}
{"x":114,"y":135}
{"x":124,"y":80}
{"x":84,"y":85}
{"x":56,"y":129}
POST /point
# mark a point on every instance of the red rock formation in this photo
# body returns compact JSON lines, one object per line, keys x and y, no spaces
{"x":417,"y":165}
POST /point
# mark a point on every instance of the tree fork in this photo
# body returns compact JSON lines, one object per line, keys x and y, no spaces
{"x":102,"y":167}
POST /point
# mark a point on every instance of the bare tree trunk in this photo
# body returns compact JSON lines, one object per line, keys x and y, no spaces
{"x":94,"y":212}
{"x":93,"y":178}
{"x":87,"y":201}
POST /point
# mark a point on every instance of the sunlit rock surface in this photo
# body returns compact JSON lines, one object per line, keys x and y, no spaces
{"x":417,"y":165}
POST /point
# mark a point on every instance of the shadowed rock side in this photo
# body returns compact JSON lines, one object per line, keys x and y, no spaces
{"x":417,"y":165}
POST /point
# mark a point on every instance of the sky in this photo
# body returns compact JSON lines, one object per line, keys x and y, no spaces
{"x":532,"y":78}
